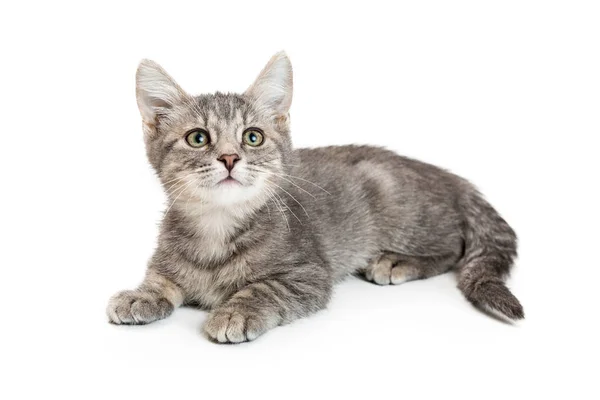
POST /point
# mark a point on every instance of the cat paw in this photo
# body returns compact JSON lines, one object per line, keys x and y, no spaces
{"x":235,"y":326}
{"x":383,"y":272}
{"x":137,"y":308}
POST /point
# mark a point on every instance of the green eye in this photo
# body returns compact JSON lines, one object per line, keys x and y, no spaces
{"x":197,"y":138}
{"x":253,"y":137}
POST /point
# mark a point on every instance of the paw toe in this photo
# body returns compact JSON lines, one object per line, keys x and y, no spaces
{"x":379,"y":273}
{"x":136,"y":308}
{"x":118,"y":310}
{"x":235,"y":326}
{"x":381,"y":277}
{"x":235,"y":330}
{"x":398,"y":276}
{"x":403,"y":273}
{"x":216,"y":326}
{"x":254,"y":328}
{"x":143,"y":311}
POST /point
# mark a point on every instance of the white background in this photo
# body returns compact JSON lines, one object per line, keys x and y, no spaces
{"x":504,"y":93}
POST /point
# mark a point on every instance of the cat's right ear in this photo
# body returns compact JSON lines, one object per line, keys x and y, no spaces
{"x":156,"y":91}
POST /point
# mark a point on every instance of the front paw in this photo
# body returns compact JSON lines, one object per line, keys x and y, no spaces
{"x":137,"y":308}
{"x":231,"y":325}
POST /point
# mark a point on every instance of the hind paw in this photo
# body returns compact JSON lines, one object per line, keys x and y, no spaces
{"x":383,"y":271}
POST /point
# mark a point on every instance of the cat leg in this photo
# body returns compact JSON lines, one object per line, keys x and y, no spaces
{"x":154,"y":299}
{"x":267,"y":303}
{"x":394,"y":268}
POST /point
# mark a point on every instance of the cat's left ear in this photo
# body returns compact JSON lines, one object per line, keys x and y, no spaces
{"x":156,"y":91}
{"x":272,"y":90}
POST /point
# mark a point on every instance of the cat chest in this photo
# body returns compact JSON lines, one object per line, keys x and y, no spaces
{"x":208,"y":287}
{"x":217,"y":266}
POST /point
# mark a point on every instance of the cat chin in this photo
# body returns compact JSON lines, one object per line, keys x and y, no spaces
{"x":235,"y":194}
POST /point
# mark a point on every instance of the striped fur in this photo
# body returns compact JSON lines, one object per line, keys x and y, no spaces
{"x":267,"y":249}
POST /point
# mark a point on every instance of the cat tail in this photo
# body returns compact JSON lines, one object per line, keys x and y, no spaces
{"x":490,"y":247}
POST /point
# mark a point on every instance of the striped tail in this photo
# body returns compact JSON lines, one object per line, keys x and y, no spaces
{"x":490,"y":247}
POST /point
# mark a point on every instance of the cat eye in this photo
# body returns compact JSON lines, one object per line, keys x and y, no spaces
{"x":253,"y":137}
{"x":197,"y":138}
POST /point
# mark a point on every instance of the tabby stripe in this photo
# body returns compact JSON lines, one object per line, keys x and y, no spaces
{"x":270,"y":295}
{"x":166,"y":149}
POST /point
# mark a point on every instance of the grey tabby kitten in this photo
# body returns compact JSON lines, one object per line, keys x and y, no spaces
{"x":258,"y":232}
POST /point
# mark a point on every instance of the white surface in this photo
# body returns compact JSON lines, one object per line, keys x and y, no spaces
{"x":506,"y":94}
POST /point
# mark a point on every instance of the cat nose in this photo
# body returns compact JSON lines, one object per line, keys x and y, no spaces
{"x":229,"y":160}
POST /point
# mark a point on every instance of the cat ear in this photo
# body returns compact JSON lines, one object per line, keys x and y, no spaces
{"x":156,"y":91}
{"x":273,"y":87}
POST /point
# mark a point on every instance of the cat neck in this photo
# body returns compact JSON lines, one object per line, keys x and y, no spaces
{"x":218,"y":222}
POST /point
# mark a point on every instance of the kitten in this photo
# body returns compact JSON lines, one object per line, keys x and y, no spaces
{"x":258,"y":232}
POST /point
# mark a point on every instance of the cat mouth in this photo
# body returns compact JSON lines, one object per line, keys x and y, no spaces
{"x":229,"y":181}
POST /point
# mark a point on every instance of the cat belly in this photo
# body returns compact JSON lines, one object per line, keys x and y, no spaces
{"x":349,"y":256}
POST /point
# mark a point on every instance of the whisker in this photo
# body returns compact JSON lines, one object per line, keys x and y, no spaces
{"x":289,"y":194}
{"x":274,"y":173}
{"x":204,"y":175}
{"x":190,"y":196}
{"x":272,"y":197}
{"x":183,"y":190}
{"x":171,"y":189}
{"x":268,"y":209}
{"x":268,"y":161}
{"x":262,"y":160}
{"x":178,"y":180}
{"x":304,"y":180}
{"x":288,"y":207}
{"x":199,"y":171}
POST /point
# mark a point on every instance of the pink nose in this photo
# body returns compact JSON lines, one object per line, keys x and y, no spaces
{"x":229,"y":160}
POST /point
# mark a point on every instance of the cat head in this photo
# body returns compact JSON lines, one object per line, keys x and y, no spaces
{"x":218,"y":149}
